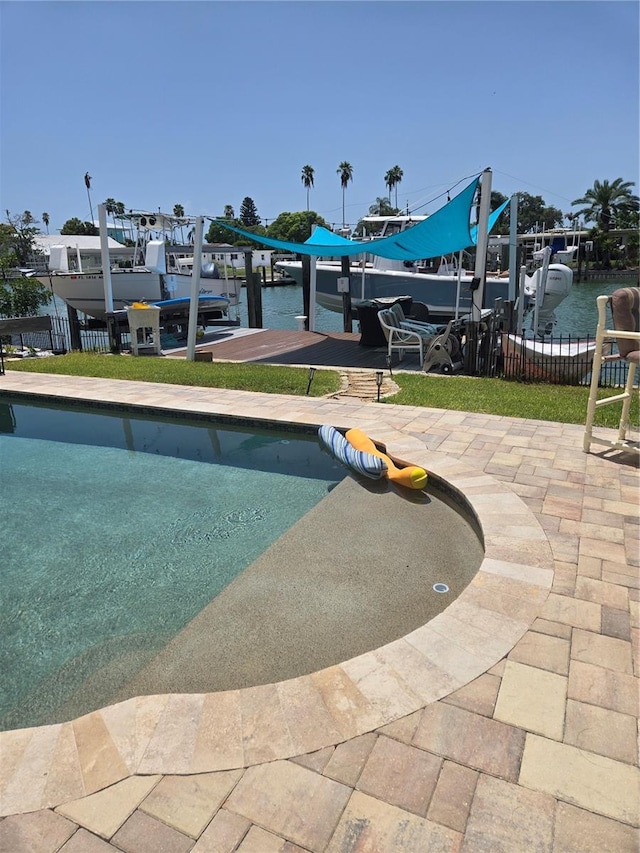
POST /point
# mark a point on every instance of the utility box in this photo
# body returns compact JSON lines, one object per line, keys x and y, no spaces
{"x":144,"y":326}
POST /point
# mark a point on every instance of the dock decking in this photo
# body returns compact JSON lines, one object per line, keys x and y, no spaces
{"x":320,"y":349}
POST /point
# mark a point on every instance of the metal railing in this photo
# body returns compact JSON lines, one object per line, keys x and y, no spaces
{"x":562,"y":360}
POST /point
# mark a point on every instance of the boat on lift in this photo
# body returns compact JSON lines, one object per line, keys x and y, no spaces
{"x":161,"y":269}
{"x":442,"y":284}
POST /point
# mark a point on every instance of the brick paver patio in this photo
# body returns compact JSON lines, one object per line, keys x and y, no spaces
{"x":508,"y":723}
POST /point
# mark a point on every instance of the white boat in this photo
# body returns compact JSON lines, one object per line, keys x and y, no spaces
{"x":388,"y":266}
{"x":547,"y":361}
{"x":444,"y":286}
{"x":161,"y":269}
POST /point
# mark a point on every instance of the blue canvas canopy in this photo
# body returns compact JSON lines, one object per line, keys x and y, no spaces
{"x":447,"y":230}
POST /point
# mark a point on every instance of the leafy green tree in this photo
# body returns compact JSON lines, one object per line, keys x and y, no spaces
{"x":345,"y":170}
{"x":8,"y":259}
{"x":392,"y":178}
{"x":249,"y":220}
{"x":248,"y":212}
{"x":22,"y":297}
{"x":606,"y":202}
{"x":22,"y":232}
{"x":295,"y":227}
{"x":307,"y":180}
{"x":220,"y":234}
{"x":496,"y":200}
{"x":77,"y":226}
{"x":532,"y":213}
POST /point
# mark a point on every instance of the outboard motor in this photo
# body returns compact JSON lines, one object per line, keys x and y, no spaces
{"x":557,"y":288}
{"x":210,"y":271}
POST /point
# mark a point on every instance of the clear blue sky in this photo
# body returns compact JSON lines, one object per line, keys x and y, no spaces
{"x":204,"y":103}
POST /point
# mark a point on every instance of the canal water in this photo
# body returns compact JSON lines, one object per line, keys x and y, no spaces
{"x":576,"y":316}
{"x":282,"y":304}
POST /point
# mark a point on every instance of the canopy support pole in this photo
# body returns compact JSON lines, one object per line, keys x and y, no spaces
{"x":195,"y":289}
{"x":481,"y":247}
{"x":513,"y":246}
{"x":114,"y":339}
{"x":311,"y":325}
{"x":347,"y":316}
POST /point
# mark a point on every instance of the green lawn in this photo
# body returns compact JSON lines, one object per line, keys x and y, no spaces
{"x":560,"y":403}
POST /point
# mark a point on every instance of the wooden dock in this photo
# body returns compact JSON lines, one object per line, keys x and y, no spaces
{"x":320,"y":349}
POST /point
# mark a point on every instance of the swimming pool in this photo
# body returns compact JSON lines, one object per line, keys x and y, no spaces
{"x":130,"y":540}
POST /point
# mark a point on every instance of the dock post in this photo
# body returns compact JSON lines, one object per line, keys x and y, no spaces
{"x":306,"y":287}
{"x":74,"y":329}
{"x":254,"y":292}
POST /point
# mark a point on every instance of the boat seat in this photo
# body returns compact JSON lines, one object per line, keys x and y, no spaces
{"x":401,"y":339}
{"x":624,"y":305}
{"x":419,"y":312}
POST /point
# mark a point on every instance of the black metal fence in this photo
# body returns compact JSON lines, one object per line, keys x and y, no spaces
{"x":563,"y":360}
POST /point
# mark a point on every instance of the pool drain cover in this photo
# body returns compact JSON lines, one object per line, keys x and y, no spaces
{"x":440,"y":587}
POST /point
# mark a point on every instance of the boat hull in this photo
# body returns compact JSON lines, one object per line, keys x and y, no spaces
{"x":85,"y":291}
{"x":437,"y":292}
{"x":546,"y":361}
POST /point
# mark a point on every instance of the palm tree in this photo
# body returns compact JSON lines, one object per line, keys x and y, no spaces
{"x":119,"y":212}
{"x":605,"y":202}
{"x":178,"y":211}
{"x":307,"y":180}
{"x":382,"y":207}
{"x":45,"y":219}
{"x":229,"y":212}
{"x":110,"y":206}
{"x":392,"y":179}
{"x":345,"y":170}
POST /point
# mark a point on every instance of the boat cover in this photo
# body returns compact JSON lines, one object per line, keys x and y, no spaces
{"x":445,"y":231}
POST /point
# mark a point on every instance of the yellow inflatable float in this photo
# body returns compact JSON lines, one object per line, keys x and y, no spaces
{"x":412,"y":477}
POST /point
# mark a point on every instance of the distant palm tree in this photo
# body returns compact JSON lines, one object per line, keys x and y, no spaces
{"x":45,"y":219}
{"x":307,"y":180}
{"x":392,"y":179}
{"x":178,"y":211}
{"x":111,"y":205}
{"x":606,"y":201}
{"x":382,"y":207}
{"x":229,"y":212}
{"x":345,"y":170}
{"x":119,"y":212}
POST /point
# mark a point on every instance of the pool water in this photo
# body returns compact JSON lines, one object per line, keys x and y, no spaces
{"x":118,"y":529}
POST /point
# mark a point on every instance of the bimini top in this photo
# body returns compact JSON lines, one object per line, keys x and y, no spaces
{"x":447,"y":230}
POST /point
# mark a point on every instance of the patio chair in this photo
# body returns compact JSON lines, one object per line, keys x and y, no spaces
{"x":400,"y":339}
{"x":427,"y":330}
{"x":442,"y":346}
{"x":625,"y":311}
